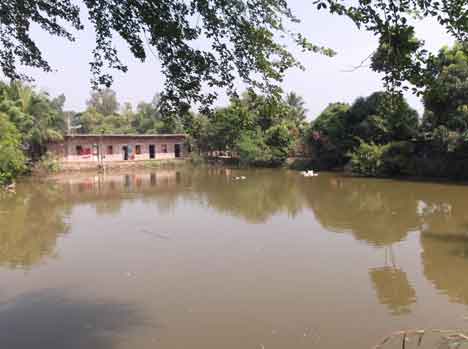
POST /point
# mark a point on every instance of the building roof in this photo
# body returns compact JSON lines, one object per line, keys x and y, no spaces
{"x":160,"y":135}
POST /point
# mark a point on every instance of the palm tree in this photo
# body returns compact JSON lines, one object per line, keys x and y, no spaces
{"x":297,"y":105}
{"x":40,"y":119}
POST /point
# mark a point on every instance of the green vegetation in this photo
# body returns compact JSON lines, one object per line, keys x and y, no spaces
{"x":382,"y":136}
{"x":260,"y":130}
{"x":377,"y":119}
{"x":28,"y":119}
{"x":12,"y":160}
{"x":243,"y":38}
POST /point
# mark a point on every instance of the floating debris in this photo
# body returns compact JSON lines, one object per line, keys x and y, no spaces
{"x":155,"y":235}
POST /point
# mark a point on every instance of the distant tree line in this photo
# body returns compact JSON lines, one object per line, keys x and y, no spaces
{"x":379,"y":135}
{"x":262,"y":130}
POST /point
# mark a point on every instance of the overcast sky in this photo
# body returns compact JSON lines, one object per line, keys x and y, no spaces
{"x":324,"y":80}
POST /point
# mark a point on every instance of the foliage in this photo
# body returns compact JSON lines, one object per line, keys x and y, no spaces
{"x":103,"y":102}
{"x":379,"y":118}
{"x":328,"y":135}
{"x":394,"y":57}
{"x":47,"y":164}
{"x":401,"y":57}
{"x":104,"y":116}
{"x":398,"y":159}
{"x":37,"y":117}
{"x":446,"y":96}
{"x":280,"y":141}
{"x":261,"y":130}
{"x":243,"y":39}
{"x":252,"y":149}
{"x":12,"y":159}
{"x":367,"y":159}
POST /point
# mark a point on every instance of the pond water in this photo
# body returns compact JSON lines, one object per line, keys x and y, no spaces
{"x":192,"y":258}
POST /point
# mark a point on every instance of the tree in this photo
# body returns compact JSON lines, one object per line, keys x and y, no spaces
{"x":36,"y":116}
{"x":377,"y":119}
{"x":12,"y":159}
{"x":280,"y":140}
{"x":446,"y":96}
{"x":104,"y":102}
{"x":401,"y":57}
{"x":297,"y":105}
{"x":327,"y":135}
{"x":243,"y":36}
{"x":258,"y":128}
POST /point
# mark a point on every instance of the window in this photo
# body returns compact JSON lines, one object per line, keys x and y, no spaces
{"x":163,"y":148}
{"x":79,"y":150}
{"x":138,"y":149}
{"x":110,"y":150}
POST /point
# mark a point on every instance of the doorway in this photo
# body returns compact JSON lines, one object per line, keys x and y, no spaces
{"x":125,"y":152}
{"x":177,"y":150}
{"x":152,"y":151}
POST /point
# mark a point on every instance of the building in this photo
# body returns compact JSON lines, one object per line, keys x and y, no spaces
{"x":95,"y":148}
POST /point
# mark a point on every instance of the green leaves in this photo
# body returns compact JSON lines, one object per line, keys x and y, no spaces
{"x":260,"y":129}
{"x":400,"y":56}
{"x":12,"y":159}
{"x":241,"y":39}
{"x":446,"y":95}
{"x":378,"y":118}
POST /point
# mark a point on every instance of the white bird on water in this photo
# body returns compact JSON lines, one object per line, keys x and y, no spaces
{"x":309,"y":173}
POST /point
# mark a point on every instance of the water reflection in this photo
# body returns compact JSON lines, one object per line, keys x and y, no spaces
{"x":445,"y":262}
{"x":379,"y":213}
{"x":392,"y":285}
{"x":255,"y":200}
{"x":31,"y":221}
{"x":262,"y":195}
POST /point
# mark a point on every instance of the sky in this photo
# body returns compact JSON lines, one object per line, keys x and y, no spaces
{"x":324,"y":80}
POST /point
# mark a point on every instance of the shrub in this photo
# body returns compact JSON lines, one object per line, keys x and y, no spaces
{"x":253,"y":150}
{"x":48,"y":164}
{"x":367,"y":159}
{"x":280,"y":142}
{"x":12,"y":159}
{"x":398,"y":158}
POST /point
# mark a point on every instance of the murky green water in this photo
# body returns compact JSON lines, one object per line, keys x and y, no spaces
{"x":191,"y":258}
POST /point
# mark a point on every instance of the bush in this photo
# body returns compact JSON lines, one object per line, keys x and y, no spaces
{"x":12,"y":159}
{"x":398,"y":158}
{"x":48,"y":164}
{"x":280,"y":142}
{"x":252,"y":150}
{"x":367,"y":159}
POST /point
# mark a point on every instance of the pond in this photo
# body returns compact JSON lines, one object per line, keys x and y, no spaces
{"x":193,"y":258}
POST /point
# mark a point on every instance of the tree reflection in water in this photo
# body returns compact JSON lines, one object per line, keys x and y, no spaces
{"x":32,"y":219}
{"x":445,"y":262}
{"x":392,"y":285}
{"x":378,"y":212}
{"x":383,"y":212}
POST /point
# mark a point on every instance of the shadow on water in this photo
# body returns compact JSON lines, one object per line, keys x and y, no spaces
{"x":50,"y":319}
